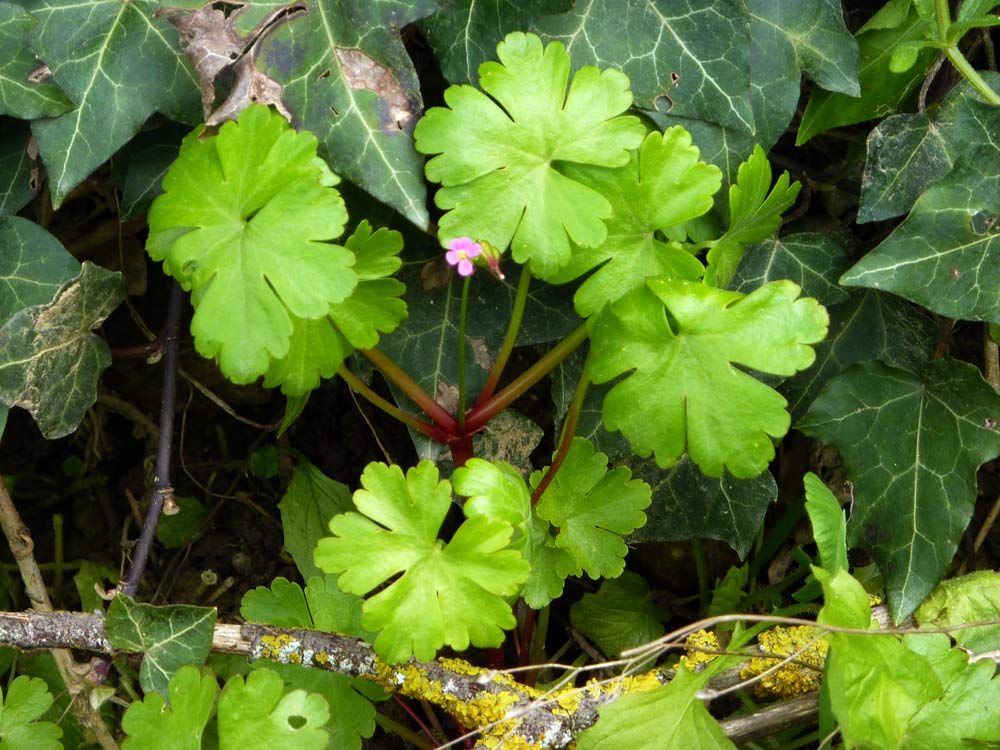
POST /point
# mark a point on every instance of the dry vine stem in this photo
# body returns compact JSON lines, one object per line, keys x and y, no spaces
{"x":502,"y":712}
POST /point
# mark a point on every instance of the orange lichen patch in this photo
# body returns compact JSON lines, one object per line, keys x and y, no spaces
{"x":796,"y":677}
{"x":698,"y":642}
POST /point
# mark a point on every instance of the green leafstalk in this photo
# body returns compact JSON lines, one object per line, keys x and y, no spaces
{"x":513,"y":328}
{"x":569,"y":429}
{"x":444,"y":421}
{"x":358,"y":386}
{"x":942,"y":14}
{"x":479,"y":415}
{"x":462,"y":311}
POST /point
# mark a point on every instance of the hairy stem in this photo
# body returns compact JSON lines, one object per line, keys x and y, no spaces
{"x":358,"y":386}
{"x":479,"y":415}
{"x":437,"y":413}
{"x":161,"y":484}
{"x":513,"y":328}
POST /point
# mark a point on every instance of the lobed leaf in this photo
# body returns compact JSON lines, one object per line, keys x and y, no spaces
{"x":685,"y":392}
{"x":495,"y":157}
{"x":258,"y":713}
{"x":448,"y":594}
{"x":620,"y":616}
{"x":27,"y":699}
{"x":911,"y":443}
{"x":150,"y":724}
{"x":243,"y":223}
{"x":663,"y":185}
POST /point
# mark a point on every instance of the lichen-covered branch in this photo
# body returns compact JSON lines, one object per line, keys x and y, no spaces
{"x":505,"y":712}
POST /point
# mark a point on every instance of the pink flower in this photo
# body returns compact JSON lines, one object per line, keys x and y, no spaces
{"x":461,"y":253}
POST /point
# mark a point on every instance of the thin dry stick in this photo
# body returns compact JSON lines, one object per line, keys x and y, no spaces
{"x":21,"y":545}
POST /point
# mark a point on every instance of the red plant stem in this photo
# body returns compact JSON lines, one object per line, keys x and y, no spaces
{"x":569,"y":429}
{"x":461,"y":450}
{"x":439,"y":416}
{"x":358,"y":386}
{"x":413,"y":715}
{"x":516,"y":316}
{"x":479,"y":415}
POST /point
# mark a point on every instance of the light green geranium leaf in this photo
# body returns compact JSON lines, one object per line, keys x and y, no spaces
{"x":168,"y":637}
{"x":663,"y":185}
{"x":495,"y":490}
{"x":317,"y":348}
{"x":495,"y":156}
{"x":685,"y":392}
{"x":551,"y":565}
{"x":105,"y":57}
{"x":669,"y":716}
{"x":50,"y":359}
{"x":882,"y":91}
{"x":945,"y":255}
{"x":620,"y":616}
{"x":828,"y":523}
{"x":970,"y":598}
{"x":911,"y":443}
{"x":593,"y":508}
{"x":755,"y":210}
{"x":282,"y":604}
{"x":335,"y":611}
{"x":310,"y":501}
{"x":151,"y":725}
{"x":27,"y":698}
{"x":450,"y":594}
{"x":243,"y":224}
{"x":258,"y":713}
{"x":20,"y":96}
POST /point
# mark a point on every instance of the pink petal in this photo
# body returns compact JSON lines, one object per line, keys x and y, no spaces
{"x":453,"y":257}
{"x":465,"y":267}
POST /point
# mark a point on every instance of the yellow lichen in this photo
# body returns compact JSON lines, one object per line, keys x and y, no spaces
{"x":796,"y":677}
{"x":281,"y":648}
{"x":874,"y":599}
{"x":321,"y":658}
{"x":698,"y":643}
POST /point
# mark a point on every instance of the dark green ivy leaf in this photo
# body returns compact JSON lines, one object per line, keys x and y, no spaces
{"x":50,"y":359}
{"x":912,"y":444}
{"x":104,"y":56}
{"x":168,"y":637}
{"x":24,"y":91}
{"x":812,"y":261}
{"x":19,"y":176}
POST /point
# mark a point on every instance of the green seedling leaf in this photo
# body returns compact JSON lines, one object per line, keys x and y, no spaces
{"x":450,"y":594}
{"x":812,"y":261}
{"x":258,"y":713}
{"x":669,"y":716}
{"x":593,"y":508}
{"x":27,"y":698}
{"x":20,"y":95}
{"x":870,"y":325}
{"x":19,"y":178}
{"x":243,"y":225}
{"x":152,"y":725}
{"x":310,"y":501}
{"x":345,"y":74}
{"x":494,"y":156}
{"x":688,"y":505}
{"x":708,"y":76}
{"x":283,"y":605}
{"x":914,"y":493}
{"x":33,"y":266}
{"x":828,"y":523}
{"x":168,"y":637}
{"x":944,"y":255}
{"x":663,"y":185}
{"x":755,"y":210}
{"x":882,"y":91}
{"x":178,"y":529}
{"x":50,"y":359}
{"x":970,"y":598}
{"x":729,"y":592}
{"x":620,"y":616}
{"x":686,"y":393}
{"x":104,"y":58}
{"x":317,"y":348}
